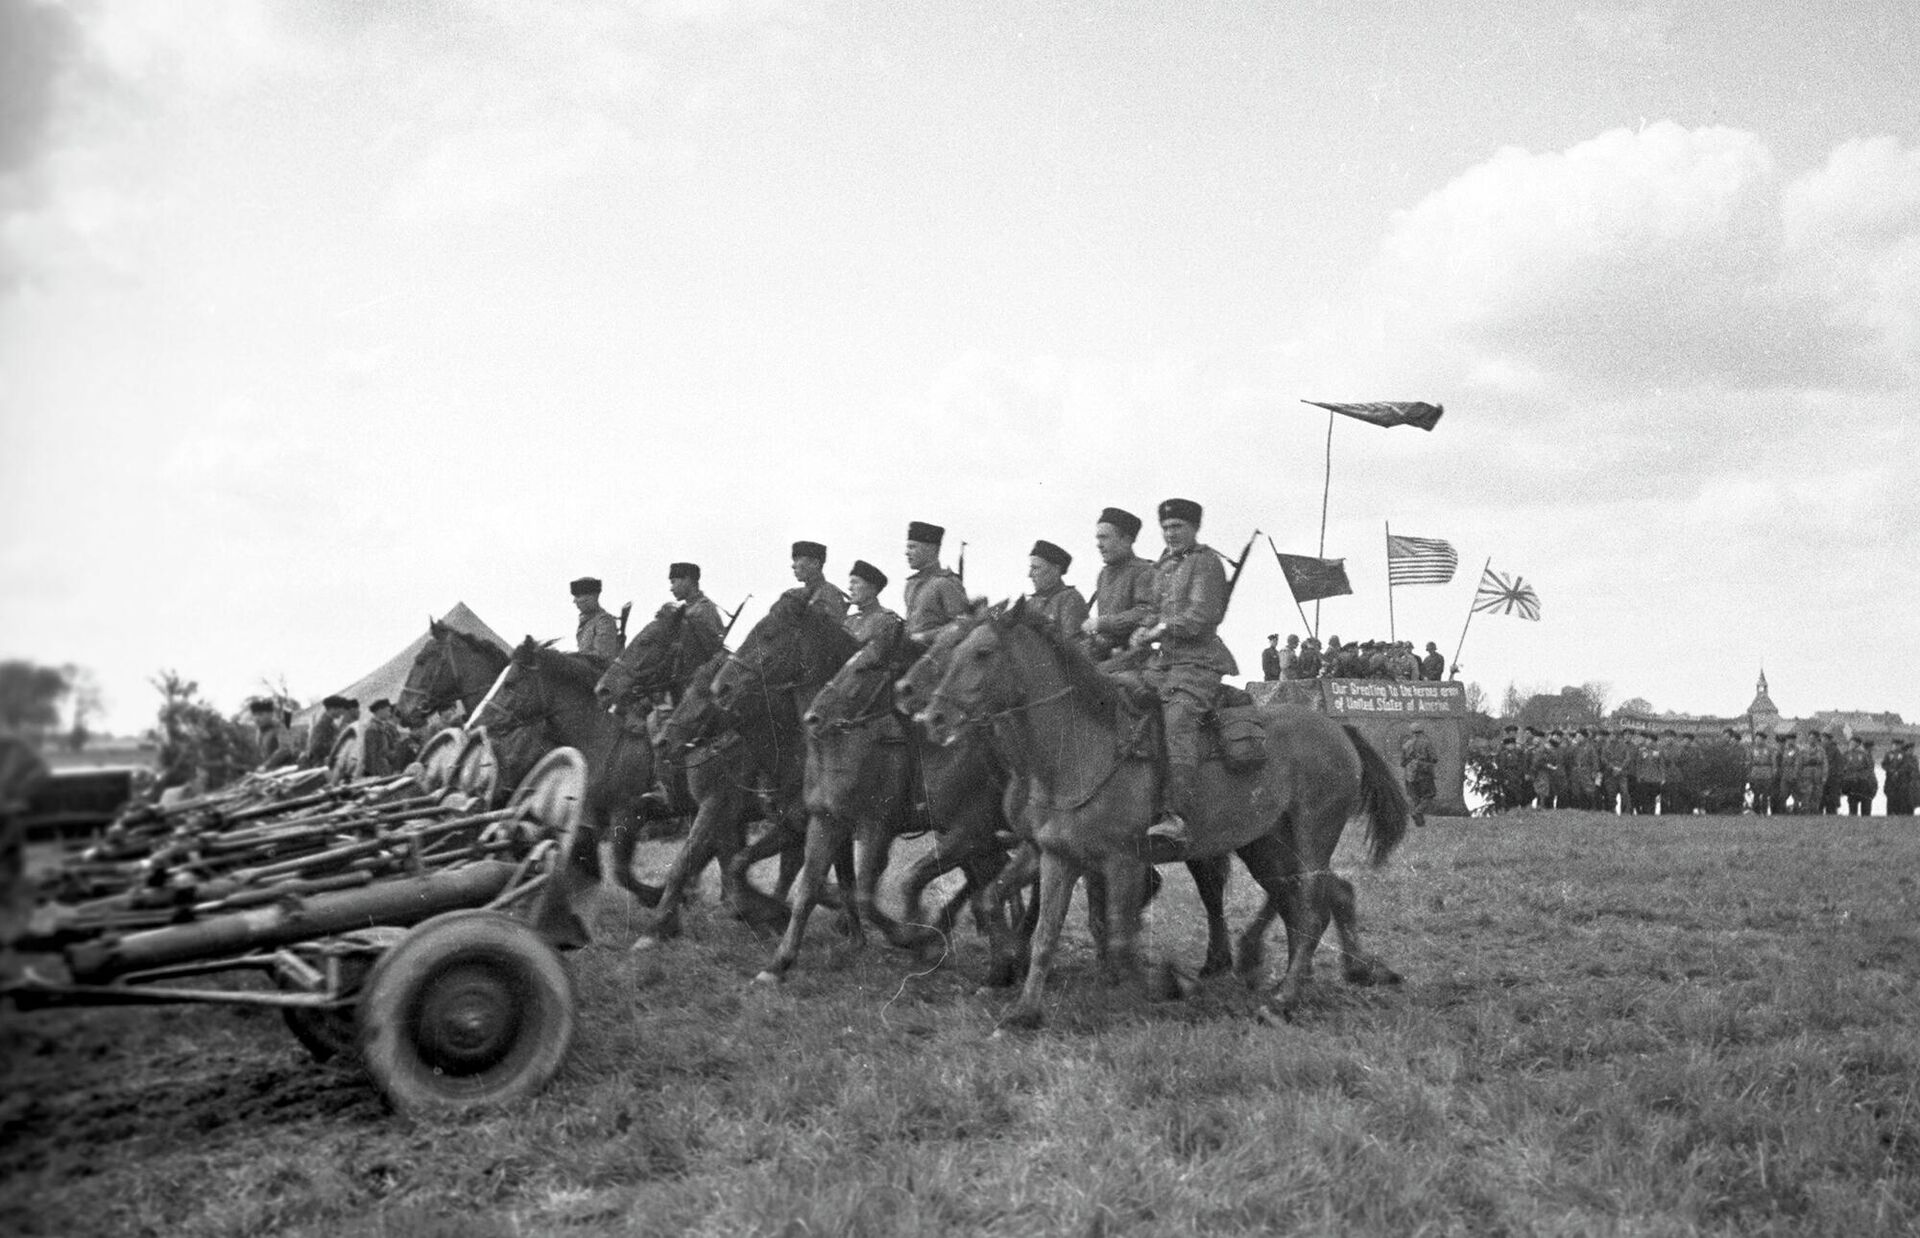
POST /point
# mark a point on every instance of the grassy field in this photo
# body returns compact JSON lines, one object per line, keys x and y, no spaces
{"x":1701,"y":1026}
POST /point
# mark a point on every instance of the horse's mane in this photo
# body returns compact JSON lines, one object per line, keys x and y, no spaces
{"x":479,"y":644}
{"x":1087,"y":679}
{"x":570,"y":670}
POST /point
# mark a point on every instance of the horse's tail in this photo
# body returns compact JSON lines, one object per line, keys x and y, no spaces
{"x":1382,"y":799}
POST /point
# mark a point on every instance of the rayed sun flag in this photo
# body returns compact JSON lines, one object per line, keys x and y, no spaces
{"x":1311,"y":579}
{"x":1388,"y":413}
{"x":1500,"y":594}
{"x":1419,"y":560}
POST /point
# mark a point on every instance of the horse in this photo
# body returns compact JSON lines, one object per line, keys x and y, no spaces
{"x":724,"y":757}
{"x":662,"y":657}
{"x":976,"y":842}
{"x":551,"y":694}
{"x":452,"y":666}
{"x":1066,"y":729}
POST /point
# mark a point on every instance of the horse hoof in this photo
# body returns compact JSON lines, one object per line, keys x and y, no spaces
{"x":1274,"y":1016}
{"x":768,"y":979}
{"x":1021,"y":1019}
{"x":643,"y":944}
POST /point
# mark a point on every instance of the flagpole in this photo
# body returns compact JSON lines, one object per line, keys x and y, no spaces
{"x":1326,"y":488}
{"x":1463,"y":627}
{"x":1391,"y":634}
{"x":1296,"y":601}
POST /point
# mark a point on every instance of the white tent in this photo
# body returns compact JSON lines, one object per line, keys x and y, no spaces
{"x":390,"y":676}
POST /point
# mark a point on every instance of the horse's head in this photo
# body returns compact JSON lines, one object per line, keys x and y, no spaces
{"x":778,"y":651}
{"x":521,"y":700}
{"x":695,"y":719}
{"x":432,"y":683}
{"x":914,"y":690}
{"x":646,"y":664}
{"x":977,"y":681}
{"x":858,"y":692}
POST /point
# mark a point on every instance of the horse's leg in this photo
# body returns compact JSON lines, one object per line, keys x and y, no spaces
{"x":751,"y":904}
{"x":873,"y":847}
{"x":1057,"y":879}
{"x":1125,"y":878}
{"x":626,"y":840}
{"x":578,"y":872}
{"x":1359,"y":966}
{"x":1096,"y":883}
{"x":1012,"y":937}
{"x":846,"y":877}
{"x":826,"y":840}
{"x":1210,"y":882}
{"x":713,"y":831}
{"x":1266,"y":861}
{"x":1313,"y":907}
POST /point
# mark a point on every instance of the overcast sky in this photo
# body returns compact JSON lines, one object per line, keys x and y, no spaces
{"x":316,"y":318}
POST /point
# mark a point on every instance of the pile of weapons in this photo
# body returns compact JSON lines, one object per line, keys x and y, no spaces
{"x":265,"y":841}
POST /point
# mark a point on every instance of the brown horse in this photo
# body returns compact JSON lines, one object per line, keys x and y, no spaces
{"x":1067,"y":732}
{"x":975,"y":841}
{"x":549,"y":694}
{"x":662,"y":657}
{"x":727,"y":758}
{"x":452,"y":666}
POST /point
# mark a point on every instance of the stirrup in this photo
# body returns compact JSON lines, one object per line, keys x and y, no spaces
{"x":1168,"y":839}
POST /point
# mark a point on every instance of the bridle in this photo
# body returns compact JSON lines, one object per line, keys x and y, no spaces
{"x":430,"y":704}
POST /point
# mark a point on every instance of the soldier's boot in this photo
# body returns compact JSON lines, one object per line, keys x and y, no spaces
{"x":1169,"y":837}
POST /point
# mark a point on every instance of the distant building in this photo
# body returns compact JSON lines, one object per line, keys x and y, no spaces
{"x":1764,"y":715}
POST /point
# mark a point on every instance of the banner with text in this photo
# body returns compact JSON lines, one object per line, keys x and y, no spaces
{"x":1445,"y":698}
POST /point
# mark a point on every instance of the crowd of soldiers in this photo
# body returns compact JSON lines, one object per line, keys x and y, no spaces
{"x":1638,"y":770}
{"x":1370,"y":659}
{"x":386,"y":746}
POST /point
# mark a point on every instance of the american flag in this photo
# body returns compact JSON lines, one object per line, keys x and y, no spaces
{"x":1419,"y":560}
{"x":1500,"y":594}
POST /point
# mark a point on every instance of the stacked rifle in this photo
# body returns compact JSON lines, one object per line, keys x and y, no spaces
{"x":270,"y":840}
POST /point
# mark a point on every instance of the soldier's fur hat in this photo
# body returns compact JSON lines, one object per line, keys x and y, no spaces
{"x":1052,"y":554}
{"x":1180,"y":509}
{"x":335,"y":702}
{"x":1125,"y":521}
{"x":260,"y":706}
{"x":382,"y":703}
{"x":810,"y":550}
{"x":584,"y":586}
{"x":869,"y":573}
{"x":683,"y":571}
{"x":921,"y":531}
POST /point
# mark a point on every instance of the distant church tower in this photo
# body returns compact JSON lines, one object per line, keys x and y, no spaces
{"x":1763,"y":714}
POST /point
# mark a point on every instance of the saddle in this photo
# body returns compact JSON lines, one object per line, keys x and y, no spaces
{"x":1232,"y":732}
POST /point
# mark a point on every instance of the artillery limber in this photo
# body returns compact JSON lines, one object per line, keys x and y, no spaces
{"x":384,"y":913}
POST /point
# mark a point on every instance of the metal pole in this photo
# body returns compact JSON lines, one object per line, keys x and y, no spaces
{"x":1326,"y":488}
{"x":1454,"y":670}
{"x":1391,"y":634}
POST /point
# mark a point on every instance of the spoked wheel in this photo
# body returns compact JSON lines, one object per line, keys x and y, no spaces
{"x":438,"y":760}
{"x":476,"y":770}
{"x":553,"y":791}
{"x":471,"y":1010}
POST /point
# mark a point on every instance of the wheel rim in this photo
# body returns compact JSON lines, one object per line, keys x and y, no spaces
{"x":468,"y":1018}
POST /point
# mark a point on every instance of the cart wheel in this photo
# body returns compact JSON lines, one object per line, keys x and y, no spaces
{"x":471,"y":1010}
{"x":552,"y":792}
{"x":476,"y":770}
{"x":438,"y":758}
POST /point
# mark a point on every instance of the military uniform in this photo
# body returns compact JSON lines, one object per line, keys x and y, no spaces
{"x":1270,"y":663}
{"x":1902,"y":774}
{"x":1550,"y":775}
{"x":705,"y":616}
{"x":1810,"y":778}
{"x":821,"y":594}
{"x":321,"y":737}
{"x":1417,"y":759}
{"x":1433,"y":666}
{"x":274,"y":740}
{"x":1763,"y":771}
{"x":1123,"y":600}
{"x":1510,"y":768}
{"x":1585,"y":771}
{"x":1858,"y":782}
{"x":382,"y":747}
{"x":1650,"y":777}
{"x":1830,"y":793}
{"x":598,"y":634}
{"x":1063,"y":606}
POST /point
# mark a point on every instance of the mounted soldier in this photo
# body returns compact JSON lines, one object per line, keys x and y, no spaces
{"x":809,"y":568}
{"x":598,"y":634}
{"x":1187,"y":665}
{"x":934,"y":596}
{"x":683,"y":580}
{"x":1123,"y":595}
{"x":869,"y":622}
{"x":1052,"y":596}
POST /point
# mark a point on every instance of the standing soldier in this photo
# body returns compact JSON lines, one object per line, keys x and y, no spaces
{"x":1836,"y":771}
{"x":1186,"y":669}
{"x":809,"y":568}
{"x":1650,"y":775}
{"x":1858,"y":782}
{"x":1270,"y":659}
{"x":1511,"y":769}
{"x":1788,"y":784}
{"x":1433,"y":666}
{"x":382,"y":749}
{"x":1901,"y":771}
{"x":598,"y":634}
{"x":683,"y":579}
{"x":1052,"y":596}
{"x":325,"y":733}
{"x":1307,"y":665}
{"x":1810,"y":788}
{"x":934,"y":595}
{"x":1586,"y":770}
{"x":1123,"y":596}
{"x":271,"y":734}
{"x":1417,"y":759}
{"x":1549,"y":772}
{"x":1763,"y":768}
